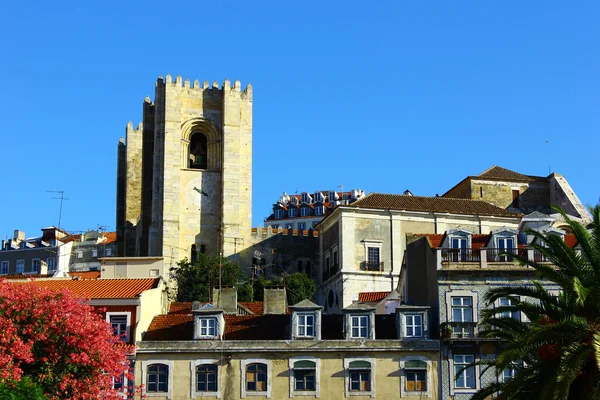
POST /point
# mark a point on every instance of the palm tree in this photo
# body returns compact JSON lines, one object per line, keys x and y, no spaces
{"x":556,"y":350}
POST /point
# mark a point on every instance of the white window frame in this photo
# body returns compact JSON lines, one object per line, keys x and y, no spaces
{"x":359,"y":326}
{"x":279,"y":213}
{"x":498,"y":303}
{"x":207,"y":320}
{"x":414,"y":325}
{"x":269,"y":365}
{"x":301,"y":226}
{"x":196,"y":363}
{"x":317,"y":392}
{"x":94,"y":252}
{"x":108,"y":252}
{"x":22,"y":269}
{"x":292,"y":212}
{"x":475,"y":306}
{"x":514,"y":368}
{"x":306,"y":325}
{"x":4,"y":265}
{"x":428,"y":378}
{"x":39,"y":265}
{"x":347,"y":362}
{"x":373,"y":243}
{"x":51,"y":264}
{"x":109,"y":314}
{"x":79,"y":254}
{"x":169,"y":364}
{"x":453,"y":388}
{"x":123,"y":392}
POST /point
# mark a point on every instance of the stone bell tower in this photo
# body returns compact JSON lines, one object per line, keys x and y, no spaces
{"x":193,"y":185}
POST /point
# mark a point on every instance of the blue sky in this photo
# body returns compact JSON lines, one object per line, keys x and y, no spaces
{"x":382,"y":96}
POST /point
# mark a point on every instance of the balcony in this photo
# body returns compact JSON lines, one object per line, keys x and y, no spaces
{"x":458,"y":330}
{"x":461,"y":255}
{"x":504,"y":255}
{"x":371,"y":266}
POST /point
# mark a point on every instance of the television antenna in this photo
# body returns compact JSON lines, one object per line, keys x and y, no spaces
{"x":61,"y":198}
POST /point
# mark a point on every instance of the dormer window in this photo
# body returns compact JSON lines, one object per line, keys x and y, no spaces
{"x":306,"y":320}
{"x":319,"y":210}
{"x":305,"y":211}
{"x":318,"y":197}
{"x":503,"y":241}
{"x":413,"y":321}
{"x":208,"y":327}
{"x":279,"y":213}
{"x":306,"y":198}
{"x":414,"y":325}
{"x":306,"y":325}
{"x":360,"y":326}
{"x":292,"y":212}
{"x":459,"y":245}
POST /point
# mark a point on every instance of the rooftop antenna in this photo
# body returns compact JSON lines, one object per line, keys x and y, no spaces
{"x":61,"y":198}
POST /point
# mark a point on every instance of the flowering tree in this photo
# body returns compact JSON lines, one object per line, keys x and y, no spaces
{"x":58,"y":341}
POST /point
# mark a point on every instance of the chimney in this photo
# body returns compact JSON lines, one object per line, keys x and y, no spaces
{"x":19,"y":235}
{"x":275,"y":301}
{"x":43,"y":267}
{"x":225,"y":299}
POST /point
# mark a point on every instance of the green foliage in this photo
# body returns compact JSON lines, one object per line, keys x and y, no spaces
{"x":194,"y":281}
{"x":559,"y":349}
{"x":24,"y":389}
{"x":299,"y":287}
{"x":245,"y":292}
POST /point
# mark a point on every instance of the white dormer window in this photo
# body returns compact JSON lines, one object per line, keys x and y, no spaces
{"x":414,"y":325}
{"x":305,"y":211}
{"x":360,"y":326}
{"x":306,"y":325}
{"x":278,"y":213}
{"x":208,"y":327}
{"x":306,"y":198}
{"x":292,"y":212}
{"x":319,"y":210}
{"x":318,"y":197}
{"x":332,"y":196}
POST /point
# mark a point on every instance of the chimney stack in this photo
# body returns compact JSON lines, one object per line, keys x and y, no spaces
{"x":275,"y":300}
{"x":19,"y":235}
{"x":226,"y":299}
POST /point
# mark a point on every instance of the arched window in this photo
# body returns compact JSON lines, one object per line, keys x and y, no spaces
{"x":256,"y":377}
{"x":198,"y":151}
{"x":308,"y":271}
{"x":206,"y":378}
{"x":300,"y":267}
{"x":157,"y":378}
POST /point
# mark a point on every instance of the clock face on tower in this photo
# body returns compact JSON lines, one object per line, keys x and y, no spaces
{"x":200,"y":194}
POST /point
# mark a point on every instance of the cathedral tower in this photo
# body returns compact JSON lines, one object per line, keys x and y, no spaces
{"x":185,"y":174}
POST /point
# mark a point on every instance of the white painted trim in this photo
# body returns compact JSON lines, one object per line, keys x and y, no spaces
{"x":347,"y":391}
{"x":317,"y":392}
{"x":454,"y":389}
{"x":428,"y":373}
{"x":126,"y":313}
{"x":243,"y":365}
{"x":168,"y":363}
{"x":462,"y":293}
{"x":193,"y":365}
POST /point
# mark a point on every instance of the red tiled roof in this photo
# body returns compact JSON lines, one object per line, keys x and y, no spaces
{"x":24,"y":276}
{"x":85,"y":274}
{"x":435,"y":239}
{"x":479,"y":240}
{"x":255,"y":306}
{"x":110,"y":237}
{"x":101,"y":288}
{"x":171,"y":327}
{"x":431,"y":204}
{"x":369,"y":297}
{"x":570,"y":240}
{"x":180,"y":308}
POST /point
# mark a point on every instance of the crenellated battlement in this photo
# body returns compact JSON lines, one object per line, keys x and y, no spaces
{"x":268,"y":231}
{"x":130,"y":129}
{"x":225,"y":87}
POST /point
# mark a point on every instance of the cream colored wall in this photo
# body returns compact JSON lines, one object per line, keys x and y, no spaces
{"x":136,"y":267}
{"x":152,"y":303}
{"x":387,"y":374}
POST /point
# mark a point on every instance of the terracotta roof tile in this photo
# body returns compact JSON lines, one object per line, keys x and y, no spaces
{"x":431,"y":204}
{"x":570,"y":240}
{"x":372,"y":296}
{"x":101,"y":288}
{"x":255,"y":306}
{"x":435,"y":239}
{"x":85,"y":274}
{"x":24,"y":276}
{"x":499,"y":173}
{"x":479,"y":240}
{"x":180,"y":308}
{"x":171,"y":327}
{"x":110,"y":237}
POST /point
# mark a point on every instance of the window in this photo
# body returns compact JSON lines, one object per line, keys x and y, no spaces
{"x":464,"y":376}
{"x":319,"y":210}
{"x":157,"y":378}
{"x":198,"y":151}
{"x":315,"y":223}
{"x":288,"y":226}
{"x":460,"y":246}
{"x":510,"y":372}
{"x":305,"y":376}
{"x":462,"y":309}
{"x":35,"y":265}
{"x":360,"y":326}
{"x":306,"y":198}
{"x":373,"y":255}
{"x":515,"y":198}
{"x":79,"y":254}
{"x":20,"y":266}
{"x":332,"y":196}
{"x":275,"y":226}
{"x":208,"y":327}
{"x":360,"y":376}
{"x":119,"y":383}
{"x":302,"y":226}
{"x":292,"y":212}
{"x":414,"y":325}
{"x":305,"y":211}
{"x":120,"y":323}
{"x":4,"y":268}
{"x":206,"y":378}
{"x":335,"y":259}
{"x":306,"y":325}
{"x":94,"y":253}
{"x":505,"y":245}
{"x":278,"y":213}
{"x":415,"y":374}
{"x":108,"y":252}
{"x":50,"y":262}
{"x":506,"y":302}
{"x":256,"y":377}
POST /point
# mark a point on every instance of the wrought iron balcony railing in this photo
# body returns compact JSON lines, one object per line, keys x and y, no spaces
{"x":504,"y":255}
{"x":460,"y":255}
{"x":371,"y":266}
